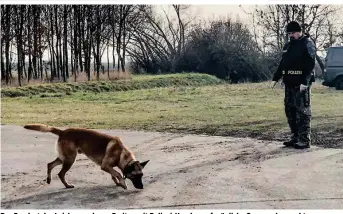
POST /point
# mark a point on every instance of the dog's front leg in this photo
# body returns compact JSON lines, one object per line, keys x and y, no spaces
{"x":116,"y":176}
{"x":120,"y":181}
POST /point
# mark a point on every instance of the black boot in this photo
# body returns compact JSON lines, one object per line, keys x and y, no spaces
{"x":291,"y":142}
{"x":301,"y":146}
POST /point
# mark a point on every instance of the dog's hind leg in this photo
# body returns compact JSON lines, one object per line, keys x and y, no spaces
{"x":66,"y":165}
{"x":67,"y":154}
{"x":52,"y":165}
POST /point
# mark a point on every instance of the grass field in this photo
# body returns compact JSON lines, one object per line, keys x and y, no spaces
{"x":134,"y":83}
{"x":207,"y":107}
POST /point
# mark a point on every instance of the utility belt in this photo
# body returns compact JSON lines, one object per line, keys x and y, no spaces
{"x":292,"y":72}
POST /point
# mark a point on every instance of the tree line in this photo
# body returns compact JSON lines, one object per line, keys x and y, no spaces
{"x":73,"y":36}
{"x":76,"y":37}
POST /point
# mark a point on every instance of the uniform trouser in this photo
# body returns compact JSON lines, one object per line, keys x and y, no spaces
{"x":298,"y":113}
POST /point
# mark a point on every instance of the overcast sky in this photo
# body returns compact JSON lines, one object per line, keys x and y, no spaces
{"x":206,"y":12}
{"x":210,"y":11}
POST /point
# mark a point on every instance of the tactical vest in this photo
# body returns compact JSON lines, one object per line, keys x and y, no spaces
{"x":297,"y":61}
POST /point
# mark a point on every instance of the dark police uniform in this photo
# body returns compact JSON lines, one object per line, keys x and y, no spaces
{"x":296,"y":68}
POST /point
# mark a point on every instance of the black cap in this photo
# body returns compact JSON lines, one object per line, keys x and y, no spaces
{"x":293,"y":26}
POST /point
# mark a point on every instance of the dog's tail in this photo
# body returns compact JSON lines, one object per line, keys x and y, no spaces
{"x":43,"y":128}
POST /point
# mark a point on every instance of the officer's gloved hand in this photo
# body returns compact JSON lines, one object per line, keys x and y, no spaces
{"x":303,"y":87}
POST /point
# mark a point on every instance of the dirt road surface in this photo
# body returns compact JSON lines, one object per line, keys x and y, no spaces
{"x":184,"y":172}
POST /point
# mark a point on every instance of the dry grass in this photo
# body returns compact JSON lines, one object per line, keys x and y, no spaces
{"x":135,"y":82}
{"x":80,"y":77}
{"x":112,"y":75}
{"x":252,"y":110}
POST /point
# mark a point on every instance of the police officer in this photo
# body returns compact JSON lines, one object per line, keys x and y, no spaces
{"x":296,"y":69}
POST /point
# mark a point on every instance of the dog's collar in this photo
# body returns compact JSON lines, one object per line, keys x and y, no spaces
{"x":127,"y":166}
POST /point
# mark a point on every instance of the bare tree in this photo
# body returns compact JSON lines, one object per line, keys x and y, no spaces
{"x":20,"y":13}
{"x":3,"y":70}
{"x":7,"y":36}
{"x":75,"y":36}
{"x":316,"y":20}
{"x":65,"y":44}
{"x":160,"y":41}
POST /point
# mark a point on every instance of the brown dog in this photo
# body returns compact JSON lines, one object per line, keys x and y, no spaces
{"x":104,"y":150}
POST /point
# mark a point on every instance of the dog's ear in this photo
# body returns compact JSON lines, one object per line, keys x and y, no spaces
{"x":144,"y":163}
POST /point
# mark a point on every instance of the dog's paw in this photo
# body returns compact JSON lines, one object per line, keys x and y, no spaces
{"x":48,"y":180}
{"x":70,"y":186}
{"x":122,"y":184}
